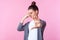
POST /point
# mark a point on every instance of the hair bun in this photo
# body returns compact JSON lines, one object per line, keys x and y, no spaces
{"x":33,"y":3}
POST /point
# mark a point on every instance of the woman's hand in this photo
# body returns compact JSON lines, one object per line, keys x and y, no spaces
{"x":37,"y":24}
{"x":26,"y":16}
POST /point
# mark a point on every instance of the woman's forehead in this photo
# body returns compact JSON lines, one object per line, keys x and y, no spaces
{"x":30,"y":10}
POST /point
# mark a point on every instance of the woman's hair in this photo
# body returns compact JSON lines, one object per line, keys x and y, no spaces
{"x":33,"y":6}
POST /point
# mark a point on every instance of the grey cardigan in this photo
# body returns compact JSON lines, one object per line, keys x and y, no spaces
{"x":24,"y":28}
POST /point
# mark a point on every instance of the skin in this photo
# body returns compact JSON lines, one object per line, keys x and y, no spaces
{"x":34,"y":16}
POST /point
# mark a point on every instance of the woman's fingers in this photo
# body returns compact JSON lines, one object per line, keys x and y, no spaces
{"x":37,"y":24}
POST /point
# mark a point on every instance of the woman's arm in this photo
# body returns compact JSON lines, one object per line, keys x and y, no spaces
{"x":21,"y":26}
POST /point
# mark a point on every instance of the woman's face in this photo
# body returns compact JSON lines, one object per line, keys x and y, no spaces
{"x":32,"y":13}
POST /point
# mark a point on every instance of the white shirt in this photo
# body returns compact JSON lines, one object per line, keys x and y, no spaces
{"x":32,"y":32}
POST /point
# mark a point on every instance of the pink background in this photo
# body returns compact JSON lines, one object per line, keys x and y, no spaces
{"x":11,"y":12}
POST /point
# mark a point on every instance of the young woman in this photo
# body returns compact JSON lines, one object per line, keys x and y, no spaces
{"x":33,"y":30}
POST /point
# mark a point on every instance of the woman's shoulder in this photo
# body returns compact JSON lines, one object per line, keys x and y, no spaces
{"x":42,"y":20}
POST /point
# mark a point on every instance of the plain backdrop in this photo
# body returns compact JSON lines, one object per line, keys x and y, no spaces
{"x":11,"y":12}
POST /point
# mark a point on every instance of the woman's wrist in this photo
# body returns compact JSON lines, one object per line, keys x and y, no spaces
{"x":22,"y":20}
